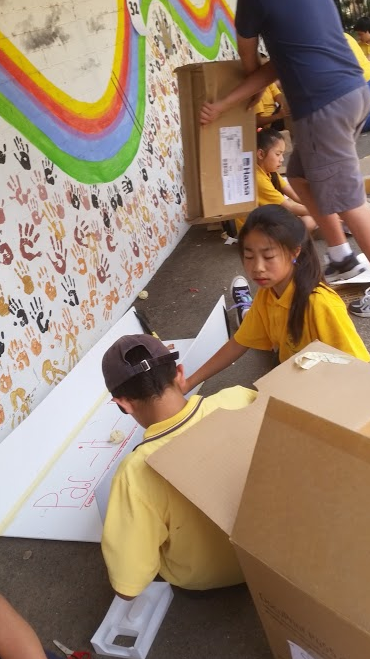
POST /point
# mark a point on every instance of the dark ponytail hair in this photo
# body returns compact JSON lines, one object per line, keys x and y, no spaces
{"x":289,"y":232}
{"x":266,"y":138}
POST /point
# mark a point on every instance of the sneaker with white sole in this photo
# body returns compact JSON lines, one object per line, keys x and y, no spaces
{"x":361,"y":307}
{"x":346,"y":269}
{"x":241,"y":295}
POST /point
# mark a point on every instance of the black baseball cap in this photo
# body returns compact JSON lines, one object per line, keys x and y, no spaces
{"x":117,"y":370}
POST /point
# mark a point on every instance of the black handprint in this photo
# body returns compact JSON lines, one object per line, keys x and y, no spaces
{"x":144,"y":174}
{"x":105,"y":213}
{"x":48,"y":171}
{"x":23,"y":150}
{"x":112,"y":199}
{"x":95,"y":196}
{"x":2,"y":344}
{"x":37,"y":314}
{"x":3,"y":155}
{"x":127,"y":186}
{"x":69,"y":286}
{"x":16,"y":309}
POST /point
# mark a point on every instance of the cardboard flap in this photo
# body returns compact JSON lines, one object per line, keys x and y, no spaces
{"x":337,"y":392}
{"x":209,"y":462}
{"x":304,"y":512}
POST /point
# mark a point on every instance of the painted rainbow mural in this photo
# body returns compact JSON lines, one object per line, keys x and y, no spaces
{"x":96,"y":142}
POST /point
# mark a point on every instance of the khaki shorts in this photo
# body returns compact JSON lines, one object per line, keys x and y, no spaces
{"x":325,"y":152}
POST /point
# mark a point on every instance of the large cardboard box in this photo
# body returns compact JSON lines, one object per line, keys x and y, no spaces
{"x":289,"y":479}
{"x":219,"y":158}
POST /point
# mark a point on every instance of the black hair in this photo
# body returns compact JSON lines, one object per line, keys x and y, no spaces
{"x":362,"y":25}
{"x":289,"y":232}
{"x":150,"y":384}
{"x":266,"y":138}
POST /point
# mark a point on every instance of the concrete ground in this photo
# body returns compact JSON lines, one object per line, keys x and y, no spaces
{"x":62,"y":589}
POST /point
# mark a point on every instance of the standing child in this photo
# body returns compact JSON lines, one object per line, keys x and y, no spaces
{"x":293,"y":305}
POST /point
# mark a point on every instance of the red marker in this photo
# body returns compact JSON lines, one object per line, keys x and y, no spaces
{"x":72,"y":654}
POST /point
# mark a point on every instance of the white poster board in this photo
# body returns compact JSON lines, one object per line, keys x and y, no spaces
{"x":52,"y":463}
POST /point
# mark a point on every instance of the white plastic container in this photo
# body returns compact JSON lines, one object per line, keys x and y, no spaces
{"x":140,"y":618}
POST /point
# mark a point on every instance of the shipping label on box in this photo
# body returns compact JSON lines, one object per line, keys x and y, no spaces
{"x":236,"y":167}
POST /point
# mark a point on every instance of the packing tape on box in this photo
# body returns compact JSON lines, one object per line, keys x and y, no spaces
{"x":310,"y":359}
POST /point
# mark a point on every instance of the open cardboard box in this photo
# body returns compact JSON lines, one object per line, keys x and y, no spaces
{"x":220,"y":162}
{"x":288,"y":478}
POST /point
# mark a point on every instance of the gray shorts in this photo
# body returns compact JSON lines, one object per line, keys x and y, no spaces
{"x":325,"y":152}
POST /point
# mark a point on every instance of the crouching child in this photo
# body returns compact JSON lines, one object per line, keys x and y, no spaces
{"x":151,"y":528}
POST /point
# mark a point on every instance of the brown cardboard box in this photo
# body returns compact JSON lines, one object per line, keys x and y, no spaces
{"x":295,"y":503}
{"x":219,"y":158}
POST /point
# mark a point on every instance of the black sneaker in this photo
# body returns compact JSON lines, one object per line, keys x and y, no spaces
{"x":361,"y":307}
{"x":346,"y":269}
{"x":241,"y":295}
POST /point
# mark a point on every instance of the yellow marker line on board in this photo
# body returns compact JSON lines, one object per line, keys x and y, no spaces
{"x":44,"y":471}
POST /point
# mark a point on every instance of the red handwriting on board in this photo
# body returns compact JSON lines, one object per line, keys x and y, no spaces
{"x":78,"y":490}
{"x":75,"y":490}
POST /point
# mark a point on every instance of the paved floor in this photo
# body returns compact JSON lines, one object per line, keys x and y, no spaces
{"x":62,"y":589}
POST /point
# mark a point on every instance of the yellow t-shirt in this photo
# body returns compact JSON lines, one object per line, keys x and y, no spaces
{"x":267,"y":193}
{"x":265,"y":325}
{"x":359,"y":55}
{"x":365,"y":47}
{"x":151,"y":528}
{"x":266,"y":105}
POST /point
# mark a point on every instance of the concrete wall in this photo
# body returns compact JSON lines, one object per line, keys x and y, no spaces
{"x":91,"y":191}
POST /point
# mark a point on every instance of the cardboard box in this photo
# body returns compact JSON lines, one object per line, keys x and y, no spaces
{"x":220,"y":162}
{"x":295,"y":503}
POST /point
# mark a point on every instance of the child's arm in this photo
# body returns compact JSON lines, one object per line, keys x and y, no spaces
{"x":293,"y":203}
{"x":228,"y":354}
{"x":266,"y":121}
{"x":17,"y":638}
{"x":254,"y":83}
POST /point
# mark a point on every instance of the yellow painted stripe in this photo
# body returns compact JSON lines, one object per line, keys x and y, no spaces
{"x":45,"y":470}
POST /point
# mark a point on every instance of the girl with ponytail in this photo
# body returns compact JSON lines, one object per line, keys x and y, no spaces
{"x":293,"y":306}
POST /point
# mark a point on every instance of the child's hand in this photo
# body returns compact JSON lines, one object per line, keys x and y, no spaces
{"x":210,"y":112}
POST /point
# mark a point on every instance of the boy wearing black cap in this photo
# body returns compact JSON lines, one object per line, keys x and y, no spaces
{"x":150,"y":527}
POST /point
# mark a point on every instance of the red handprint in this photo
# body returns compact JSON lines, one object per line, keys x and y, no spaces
{"x":27,"y":241}
{"x":60,"y":255}
{"x":102,"y":271}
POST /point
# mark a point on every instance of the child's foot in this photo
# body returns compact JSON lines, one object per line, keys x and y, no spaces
{"x":361,"y":307}
{"x":241,"y":295}
{"x":346,"y":269}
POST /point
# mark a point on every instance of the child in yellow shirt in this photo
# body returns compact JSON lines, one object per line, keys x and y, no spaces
{"x":362,"y":27}
{"x":293,"y":306}
{"x":150,"y":527}
{"x":266,"y":110}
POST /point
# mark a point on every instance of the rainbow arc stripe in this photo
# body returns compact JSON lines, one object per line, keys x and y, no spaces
{"x":96,"y":142}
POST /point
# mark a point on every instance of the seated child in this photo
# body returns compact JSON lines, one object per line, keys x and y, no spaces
{"x":293,"y":306}
{"x":267,"y":113}
{"x":150,"y":527}
{"x":271,"y":187}
{"x":362,"y":27}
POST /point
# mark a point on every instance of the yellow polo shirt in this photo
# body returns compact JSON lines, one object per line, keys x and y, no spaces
{"x":265,"y":325}
{"x":359,"y":55}
{"x":365,"y":47}
{"x":151,"y":528}
{"x":267,"y":193}
{"x":266,"y":105}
